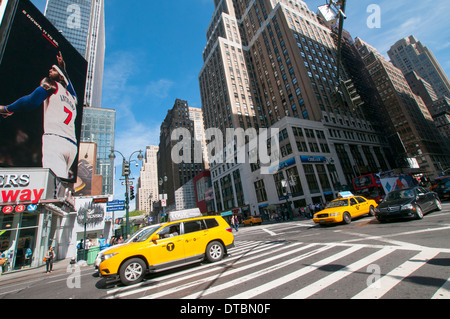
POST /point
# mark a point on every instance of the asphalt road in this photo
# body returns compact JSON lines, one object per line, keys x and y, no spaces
{"x":286,"y":260}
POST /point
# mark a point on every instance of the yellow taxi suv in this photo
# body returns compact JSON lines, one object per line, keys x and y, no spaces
{"x":155,"y":248}
{"x":252,"y":220}
{"x":343,"y":210}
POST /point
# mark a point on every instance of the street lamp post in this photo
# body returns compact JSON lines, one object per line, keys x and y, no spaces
{"x":126,"y":174}
{"x":150,"y":208}
{"x":161,"y":182}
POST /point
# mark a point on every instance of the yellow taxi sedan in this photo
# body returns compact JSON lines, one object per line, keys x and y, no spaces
{"x":252,"y":220}
{"x":343,"y":210}
{"x":165,"y":246}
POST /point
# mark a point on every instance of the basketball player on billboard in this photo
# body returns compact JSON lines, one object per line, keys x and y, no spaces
{"x":59,"y":142}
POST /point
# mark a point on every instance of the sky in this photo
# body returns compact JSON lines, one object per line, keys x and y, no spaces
{"x":154,"y":54}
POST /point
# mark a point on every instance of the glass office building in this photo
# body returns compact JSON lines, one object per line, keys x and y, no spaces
{"x":99,"y":127}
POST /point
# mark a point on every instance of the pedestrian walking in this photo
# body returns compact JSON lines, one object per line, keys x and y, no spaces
{"x":49,"y":257}
{"x":235,"y":223}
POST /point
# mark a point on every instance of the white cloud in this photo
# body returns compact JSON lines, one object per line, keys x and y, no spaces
{"x":159,"y":89}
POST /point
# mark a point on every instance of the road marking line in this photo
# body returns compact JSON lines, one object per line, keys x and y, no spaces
{"x":256,"y":274}
{"x":399,"y":234}
{"x":380,"y":287}
{"x":162,"y":281}
{"x":338,"y":275}
{"x":271,"y":233}
{"x":443,"y":292}
{"x":294,"y":275}
{"x":195,"y":271}
{"x":226,"y":273}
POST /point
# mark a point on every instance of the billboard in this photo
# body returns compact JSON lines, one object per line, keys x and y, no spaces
{"x":42,"y":83}
{"x":88,"y":183}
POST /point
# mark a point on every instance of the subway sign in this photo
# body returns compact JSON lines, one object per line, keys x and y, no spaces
{"x":23,"y":189}
{"x":15,"y":188}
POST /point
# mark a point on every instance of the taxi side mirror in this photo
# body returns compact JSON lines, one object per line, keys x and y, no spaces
{"x":155,"y":237}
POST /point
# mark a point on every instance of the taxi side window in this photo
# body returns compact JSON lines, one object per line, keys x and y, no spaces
{"x":193,"y":226}
{"x":360,"y":200}
{"x":170,"y":231}
{"x":211,"y":223}
{"x":353,"y":201}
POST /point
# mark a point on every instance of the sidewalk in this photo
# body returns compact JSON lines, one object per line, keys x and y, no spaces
{"x":59,"y":266}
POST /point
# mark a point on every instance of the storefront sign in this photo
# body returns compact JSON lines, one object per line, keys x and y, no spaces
{"x":17,"y":188}
{"x":313,"y":159}
{"x":25,"y":195}
{"x":28,"y":186}
{"x":282,"y":165}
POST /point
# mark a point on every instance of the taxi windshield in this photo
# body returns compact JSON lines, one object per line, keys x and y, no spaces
{"x":337,"y":203}
{"x":143,"y":234}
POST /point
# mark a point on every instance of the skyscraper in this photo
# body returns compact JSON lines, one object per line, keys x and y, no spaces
{"x":266,"y":60}
{"x":148,"y":181}
{"x":99,"y":127}
{"x":82,"y":22}
{"x":186,"y":118}
{"x":408,"y":55}
{"x":405,"y":114}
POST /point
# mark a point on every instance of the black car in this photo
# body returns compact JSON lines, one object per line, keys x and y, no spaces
{"x":411,"y":202}
{"x":443,"y":190}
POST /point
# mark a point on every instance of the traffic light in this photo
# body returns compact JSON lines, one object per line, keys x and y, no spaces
{"x":351,"y":94}
{"x":125,"y":168}
{"x":132,"y":193}
{"x":346,"y":95}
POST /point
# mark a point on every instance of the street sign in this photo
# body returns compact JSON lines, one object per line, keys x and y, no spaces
{"x":129,"y":183}
{"x":162,"y":196}
{"x":163,"y":203}
{"x":116,"y":203}
{"x":114,"y":208}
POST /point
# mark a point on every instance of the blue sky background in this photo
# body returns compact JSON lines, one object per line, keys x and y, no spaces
{"x":154,"y":54}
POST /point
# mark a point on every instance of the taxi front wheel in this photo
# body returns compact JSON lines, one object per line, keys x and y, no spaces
{"x":346,"y":218}
{"x":214,"y":251}
{"x":132,"y":271}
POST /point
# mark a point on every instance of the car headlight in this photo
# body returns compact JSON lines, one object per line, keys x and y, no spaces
{"x":334,"y":214}
{"x":409,"y":206}
{"x":107,"y":256}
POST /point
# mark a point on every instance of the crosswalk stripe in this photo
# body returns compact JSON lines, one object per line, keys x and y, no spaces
{"x":250,"y":254}
{"x":294,"y":275}
{"x":229,"y":272}
{"x":443,"y":292}
{"x":259,"y":248}
{"x":256,"y":274}
{"x":378,"y":289}
{"x":338,"y":275}
{"x":200,"y":270}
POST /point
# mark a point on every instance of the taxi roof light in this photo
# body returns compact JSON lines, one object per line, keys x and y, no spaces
{"x":184,"y":214}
